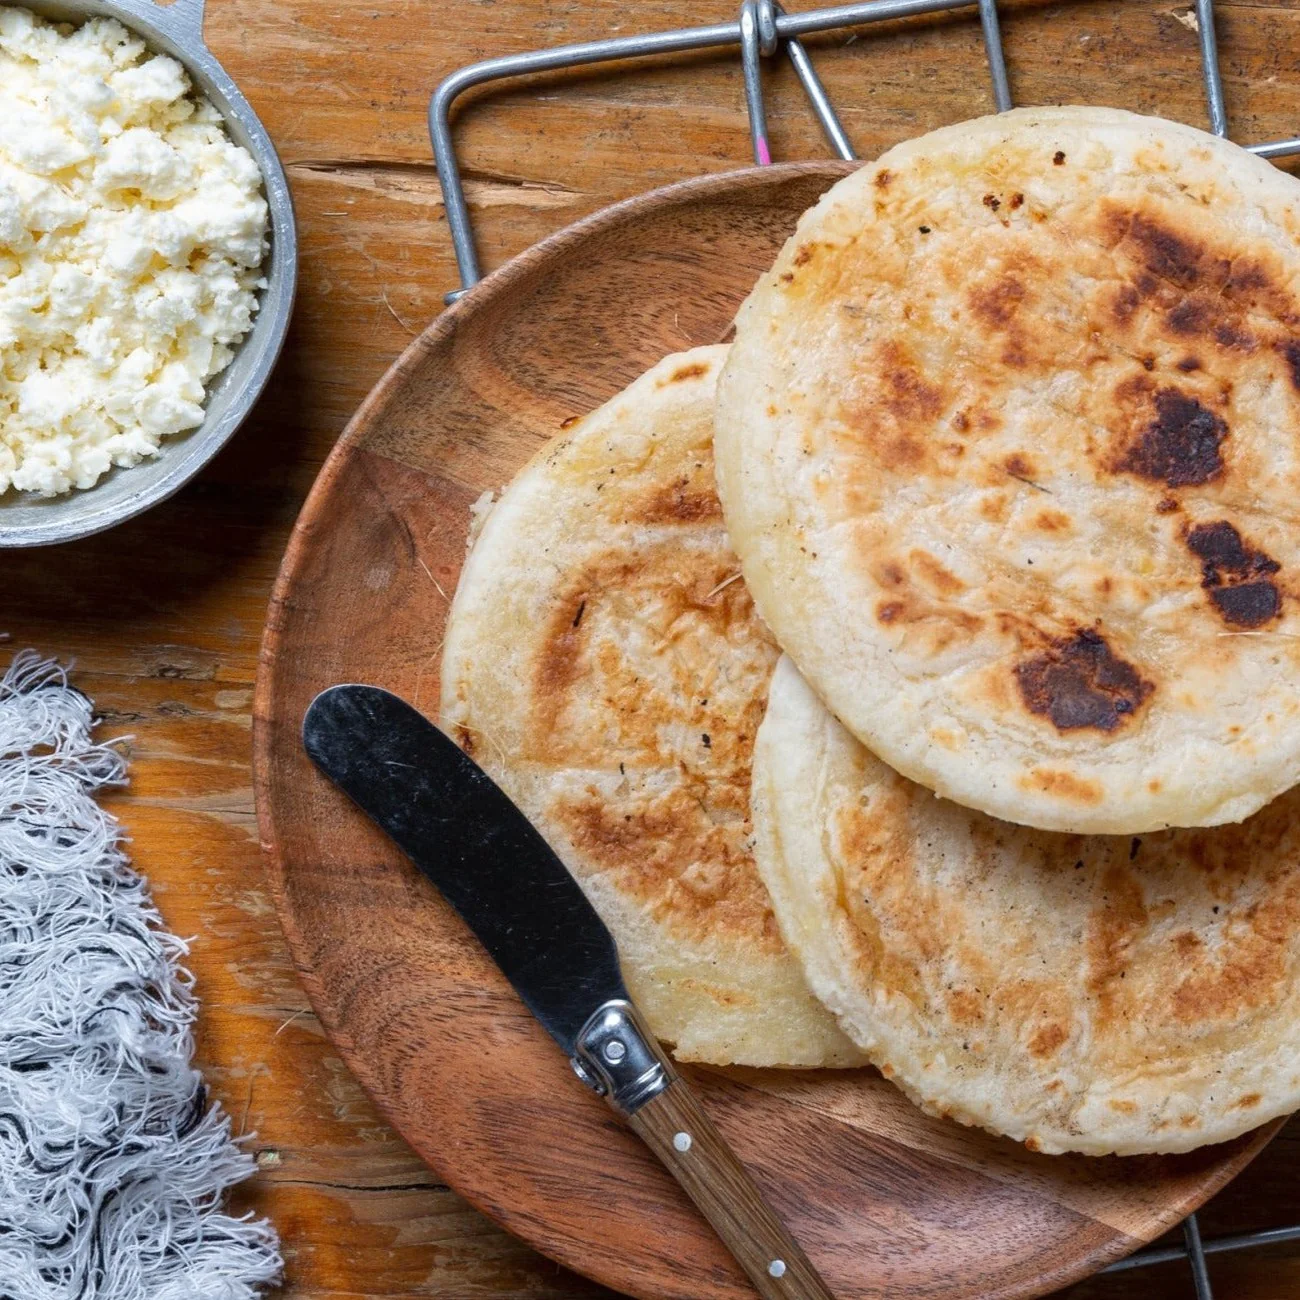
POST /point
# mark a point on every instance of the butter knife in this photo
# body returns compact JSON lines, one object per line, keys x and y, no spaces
{"x":495,"y":869}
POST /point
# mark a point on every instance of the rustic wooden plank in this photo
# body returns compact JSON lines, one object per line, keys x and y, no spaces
{"x":164,"y":614}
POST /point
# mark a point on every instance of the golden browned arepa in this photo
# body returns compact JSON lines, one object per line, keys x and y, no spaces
{"x":1009,"y":447}
{"x":1079,"y":993}
{"x":604,"y":663}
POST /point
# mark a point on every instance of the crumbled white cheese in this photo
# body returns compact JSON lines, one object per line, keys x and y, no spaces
{"x":131,"y":234}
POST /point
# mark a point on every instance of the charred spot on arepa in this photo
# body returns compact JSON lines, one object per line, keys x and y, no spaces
{"x":1016,"y":354}
{"x":559,"y":663}
{"x":1237,"y":576}
{"x":1190,"y":316}
{"x":1224,"y":553}
{"x":1117,"y":921}
{"x":1079,"y":682}
{"x":1250,"y":605}
{"x":1061,"y":785}
{"x":1229,"y":335}
{"x":1180,"y":446}
{"x":966,"y":1006}
{"x":686,"y":500}
{"x":908,"y":394}
{"x":687,"y":863}
{"x":1164,"y":252}
{"x":917,"y":597}
{"x":1203,"y":284}
{"x":1125,"y":302}
{"x":691,"y":370}
{"x":1290,"y":350}
{"x":1047,"y":1038}
{"x":1249,"y":963}
{"x":626,"y":640}
{"x":994,"y":507}
{"x":902,"y":453}
{"x":994,"y":305}
{"x":888,"y":411}
{"x":1245,"y":276}
{"x":933,"y":574}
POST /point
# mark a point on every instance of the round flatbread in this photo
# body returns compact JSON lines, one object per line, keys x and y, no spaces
{"x":604,"y":663}
{"x":1009,"y":447}
{"x":1079,"y":993}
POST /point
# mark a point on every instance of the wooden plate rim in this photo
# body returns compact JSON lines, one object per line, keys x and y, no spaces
{"x":311,"y":517}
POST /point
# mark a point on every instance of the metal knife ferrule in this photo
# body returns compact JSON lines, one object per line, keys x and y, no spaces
{"x":618,"y":1057}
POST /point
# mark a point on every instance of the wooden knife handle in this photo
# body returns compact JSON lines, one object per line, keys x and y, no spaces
{"x":616,"y":1055}
{"x":674,"y":1126}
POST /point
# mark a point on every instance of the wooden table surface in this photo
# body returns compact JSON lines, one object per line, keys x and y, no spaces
{"x":163,"y":616}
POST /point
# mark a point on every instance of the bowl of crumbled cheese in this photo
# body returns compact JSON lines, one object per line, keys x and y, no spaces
{"x":148,"y":259}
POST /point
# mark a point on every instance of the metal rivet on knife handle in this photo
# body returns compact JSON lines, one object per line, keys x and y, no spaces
{"x":640,"y":1082}
{"x":713,"y":1177}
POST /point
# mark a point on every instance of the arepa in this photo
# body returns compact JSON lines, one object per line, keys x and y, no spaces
{"x":1079,"y":993}
{"x":1009,"y":446}
{"x":603,"y":662}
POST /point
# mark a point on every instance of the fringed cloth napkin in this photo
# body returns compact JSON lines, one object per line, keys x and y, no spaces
{"x":112,"y":1164}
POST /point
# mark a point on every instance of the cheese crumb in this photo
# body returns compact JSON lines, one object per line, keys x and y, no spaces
{"x":132,"y":230}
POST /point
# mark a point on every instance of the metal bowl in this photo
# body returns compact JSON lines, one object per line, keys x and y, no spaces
{"x":28,"y":520}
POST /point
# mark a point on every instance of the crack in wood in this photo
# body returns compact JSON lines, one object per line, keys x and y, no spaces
{"x":417,"y":182}
{"x":331,"y":1185}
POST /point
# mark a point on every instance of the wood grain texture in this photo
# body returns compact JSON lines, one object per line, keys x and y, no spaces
{"x":679,"y":1131}
{"x":164,"y":615}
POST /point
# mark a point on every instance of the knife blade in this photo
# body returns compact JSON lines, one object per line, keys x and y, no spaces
{"x":487,"y":860}
{"x":502,"y":878}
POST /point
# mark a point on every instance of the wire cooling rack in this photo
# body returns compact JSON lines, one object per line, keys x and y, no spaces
{"x":764,"y":29}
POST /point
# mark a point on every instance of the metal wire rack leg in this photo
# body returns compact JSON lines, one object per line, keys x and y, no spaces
{"x":768,"y":12}
{"x":759,"y":31}
{"x":1215,"y":1246}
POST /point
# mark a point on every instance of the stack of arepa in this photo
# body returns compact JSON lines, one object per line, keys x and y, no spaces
{"x":1005,"y":458}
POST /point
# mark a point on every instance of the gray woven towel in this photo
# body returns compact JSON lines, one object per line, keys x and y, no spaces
{"x":112,"y":1163}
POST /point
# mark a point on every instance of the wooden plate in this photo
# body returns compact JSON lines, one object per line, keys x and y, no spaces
{"x":883,"y":1199}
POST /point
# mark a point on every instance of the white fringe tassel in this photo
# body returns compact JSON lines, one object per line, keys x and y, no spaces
{"x":112,"y":1164}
